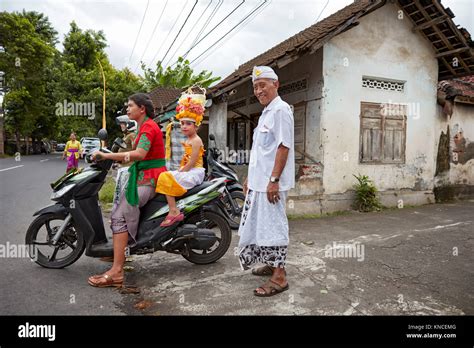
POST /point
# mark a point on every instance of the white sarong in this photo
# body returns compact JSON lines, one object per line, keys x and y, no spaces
{"x":263,"y":223}
{"x":263,"y":231}
{"x":191,"y":178}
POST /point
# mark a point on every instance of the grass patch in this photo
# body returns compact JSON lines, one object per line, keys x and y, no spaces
{"x":5,"y":156}
{"x":317,"y":216}
{"x":106,"y":193}
{"x":384,"y":208}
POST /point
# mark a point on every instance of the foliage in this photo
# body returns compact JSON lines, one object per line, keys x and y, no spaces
{"x":40,"y":79}
{"x":182,"y":75}
{"x":366,"y":194}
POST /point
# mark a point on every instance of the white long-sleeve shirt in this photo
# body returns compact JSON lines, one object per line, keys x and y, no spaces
{"x":275,"y":127}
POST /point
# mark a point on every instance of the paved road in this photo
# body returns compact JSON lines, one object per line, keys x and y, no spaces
{"x":414,"y":261}
{"x":27,"y":288}
{"x":411,"y":261}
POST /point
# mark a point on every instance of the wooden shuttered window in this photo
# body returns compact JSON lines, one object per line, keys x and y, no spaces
{"x":382,"y":133}
{"x":299,"y":116}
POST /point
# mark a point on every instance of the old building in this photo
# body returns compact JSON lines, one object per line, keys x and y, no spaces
{"x":363,"y":84}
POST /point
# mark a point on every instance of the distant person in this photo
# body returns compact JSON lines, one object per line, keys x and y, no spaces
{"x":72,"y":152}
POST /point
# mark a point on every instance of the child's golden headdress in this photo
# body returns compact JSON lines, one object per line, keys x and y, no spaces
{"x":191,"y":105}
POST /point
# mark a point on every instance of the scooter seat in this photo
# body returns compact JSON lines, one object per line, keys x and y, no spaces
{"x":194,"y":190}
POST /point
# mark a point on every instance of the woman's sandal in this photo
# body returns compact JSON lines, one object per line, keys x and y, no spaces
{"x":97,"y":282}
{"x":271,"y":288}
{"x":263,"y":271}
{"x":171,"y":220}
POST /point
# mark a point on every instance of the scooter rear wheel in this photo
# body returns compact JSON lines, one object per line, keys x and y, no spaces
{"x":68,"y":250}
{"x":221,"y":228}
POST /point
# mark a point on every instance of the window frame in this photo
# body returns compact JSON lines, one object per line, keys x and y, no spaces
{"x":383,"y":120}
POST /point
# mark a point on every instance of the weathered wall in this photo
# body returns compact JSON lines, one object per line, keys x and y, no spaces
{"x":382,"y":45}
{"x":455,"y":160}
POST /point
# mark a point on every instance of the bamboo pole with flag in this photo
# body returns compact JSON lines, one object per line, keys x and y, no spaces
{"x":104,"y":123}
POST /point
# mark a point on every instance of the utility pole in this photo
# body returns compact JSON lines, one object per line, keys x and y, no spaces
{"x":2,"y":97}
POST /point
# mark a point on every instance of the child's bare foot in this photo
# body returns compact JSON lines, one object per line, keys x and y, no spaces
{"x":174,"y":212}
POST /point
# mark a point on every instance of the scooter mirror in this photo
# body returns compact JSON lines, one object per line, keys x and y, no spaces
{"x":212,"y":137}
{"x":102,"y":134}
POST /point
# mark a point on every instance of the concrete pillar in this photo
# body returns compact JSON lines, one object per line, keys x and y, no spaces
{"x":218,"y":124}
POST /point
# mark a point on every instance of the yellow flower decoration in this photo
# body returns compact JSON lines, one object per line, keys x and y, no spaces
{"x":191,"y":115}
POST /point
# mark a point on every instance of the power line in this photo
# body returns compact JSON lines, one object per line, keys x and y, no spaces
{"x":139,"y":30}
{"x":169,"y":32}
{"x":199,"y":61}
{"x":187,"y":35}
{"x":197,"y":43}
{"x":233,"y":34}
{"x":210,"y":31}
{"x":235,"y":26}
{"x":179,"y":32}
{"x":151,"y":36}
{"x":211,"y":16}
{"x":327,"y":2}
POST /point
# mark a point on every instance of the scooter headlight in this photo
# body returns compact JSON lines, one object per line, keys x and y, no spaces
{"x":61,"y":192}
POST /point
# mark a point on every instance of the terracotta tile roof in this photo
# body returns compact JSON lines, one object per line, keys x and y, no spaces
{"x":162,"y":96}
{"x":300,"y":42}
{"x":316,"y":35}
{"x":450,"y":43}
{"x":469,"y":79}
{"x":459,"y":87}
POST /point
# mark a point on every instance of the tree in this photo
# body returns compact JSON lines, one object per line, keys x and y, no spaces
{"x":24,"y":63}
{"x":83,"y":48}
{"x":40,"y":78}
{"x":42,"y":26}
{"x":182,"y":75}
{"x":78,"y":78}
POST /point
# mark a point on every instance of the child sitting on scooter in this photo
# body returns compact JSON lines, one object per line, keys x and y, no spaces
{"x":190,"y":112}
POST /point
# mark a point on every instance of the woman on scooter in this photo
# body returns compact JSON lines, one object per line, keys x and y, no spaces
{"x":190,"y":112}
{"x":148,"y":157}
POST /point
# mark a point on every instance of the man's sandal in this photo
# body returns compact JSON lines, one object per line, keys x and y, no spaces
{"x":271,"y":288}
{"x":263,"y":271}
{"x":105,"y":281}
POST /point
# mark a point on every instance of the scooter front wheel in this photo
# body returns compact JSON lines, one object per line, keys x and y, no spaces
{"x":236,"y":207}
{"x":68,"y":249}
{"x":221,"y":229}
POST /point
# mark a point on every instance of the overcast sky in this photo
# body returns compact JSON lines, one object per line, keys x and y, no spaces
{"x":120,"y":20}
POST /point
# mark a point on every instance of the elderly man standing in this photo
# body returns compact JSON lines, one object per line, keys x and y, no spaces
{"x":264,"y":226}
